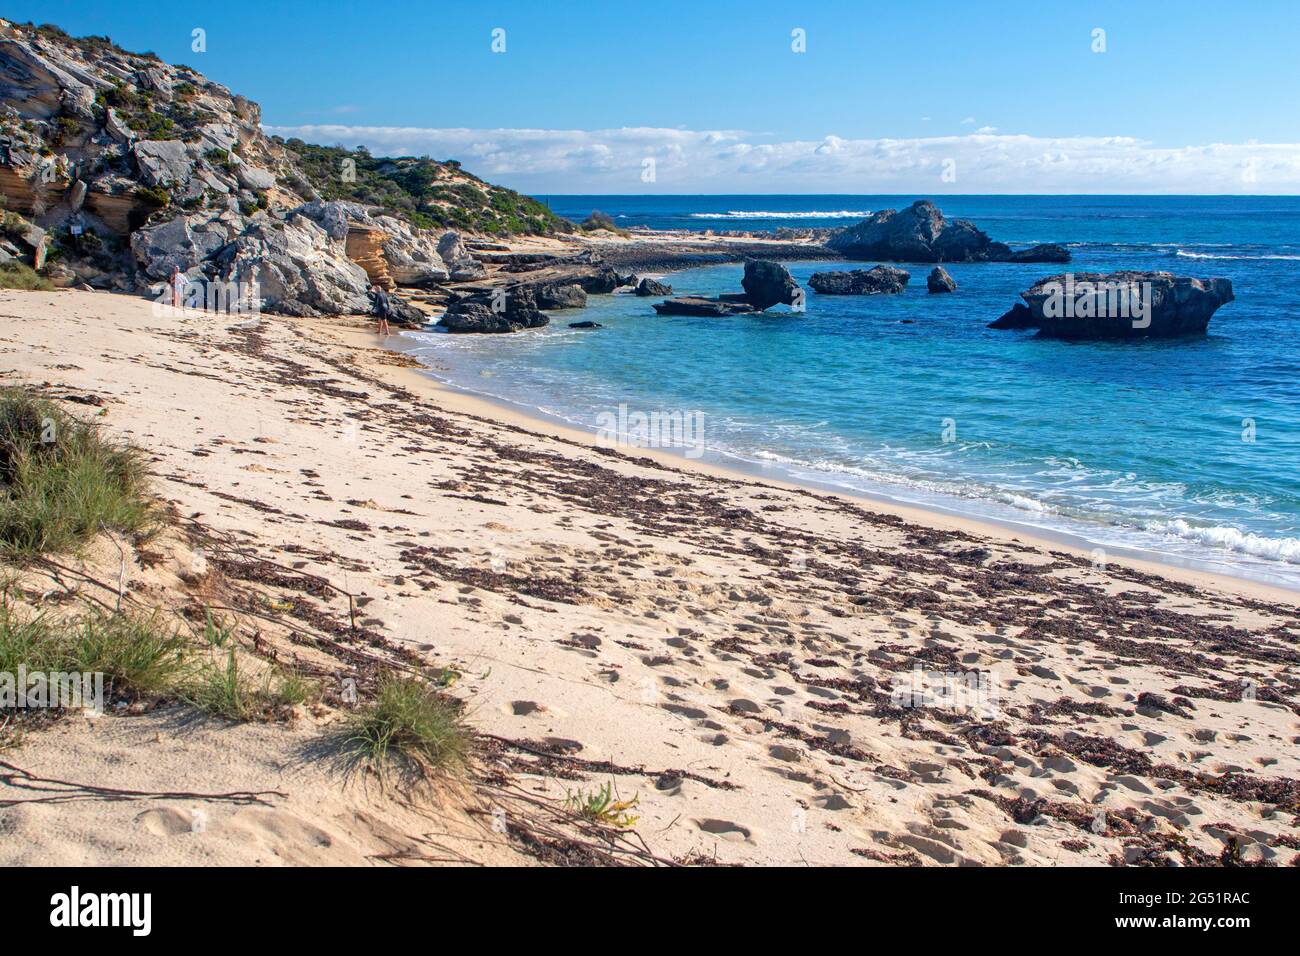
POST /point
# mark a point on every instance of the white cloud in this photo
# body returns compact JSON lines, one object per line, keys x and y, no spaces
{"x":986,"y":130}
{"x":731,"y":161}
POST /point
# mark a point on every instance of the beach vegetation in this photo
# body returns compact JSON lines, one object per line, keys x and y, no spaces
{"x":137,"y":654}
{"x":227,"y":688}
{"x":600,"y":220}
{"x":430,"y":194}
{"x":62,"y":481}
{"x":602,"y":806}
{"x":410,"y":725}
{"x":19,"y":275}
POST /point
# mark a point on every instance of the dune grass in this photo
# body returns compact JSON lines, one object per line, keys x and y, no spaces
{"x":61,"y":481}
{"x":409,"y":725}
{"x":228,"y":689}
{"x":137,"y":655}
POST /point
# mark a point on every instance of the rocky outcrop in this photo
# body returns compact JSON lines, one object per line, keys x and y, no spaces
{"x":585,"y":325}
{"x":567,"y":296}
{"x":939,"y":282}
{"x":487,"y":312}
{"x":1118,"y":305}
{"x":767,"y":284}
{"x":699,"y":305}
{"x":649,"y":287}
{"x":462,"y":266}
{"x":1016,"y":317}
{"x":113,"y":145}
{"x":920,"y":233}
{"x":884,"y":280}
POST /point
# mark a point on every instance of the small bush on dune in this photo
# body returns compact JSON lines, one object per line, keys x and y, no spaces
{"x":601,"y":220}
{"x":409,"y":722}
{"x":137,"y":655}
{"x":228,"y":690}
{"x":61,"y":481}
{"x":17,"y":275}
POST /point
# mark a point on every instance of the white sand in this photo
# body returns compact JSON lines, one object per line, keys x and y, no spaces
{"x":737,"y":639}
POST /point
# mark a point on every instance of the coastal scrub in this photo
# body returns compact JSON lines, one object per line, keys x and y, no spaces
{"x":62,"y":481}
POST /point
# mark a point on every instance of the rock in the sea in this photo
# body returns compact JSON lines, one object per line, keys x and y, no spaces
{"x":767,"y":284}
{"x":585,"y":325}
{"x":938,"y":281}
{"x":648,"y":287}
{"x":920,"y":233}
{"x":485,"y":313}
{"x":1016,"y":317}
{"x":699,"y":305}
{"x":567,"y":296}
{"x":880,"y":280}
{"x":1118,"y":305}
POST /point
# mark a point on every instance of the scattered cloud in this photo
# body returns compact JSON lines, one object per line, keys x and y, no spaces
{"x":346,"y":108}
{"x":722,"y":161}
{"x":986,"y":130}
{"x":968,"y":121}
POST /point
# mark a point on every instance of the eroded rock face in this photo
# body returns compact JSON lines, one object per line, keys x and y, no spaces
{"x":881,"y":280}
{"x":1118,"y":305}
{"x":920,"y":233}
{"x":939,"y":282}
{"x":461,"y":266}
{"x":767,"y":284}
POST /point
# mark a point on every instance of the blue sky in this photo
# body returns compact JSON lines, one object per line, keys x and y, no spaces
{"x":1011,"y":93}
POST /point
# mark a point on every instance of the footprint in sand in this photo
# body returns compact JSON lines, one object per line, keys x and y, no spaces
{"x":732,"y":832}
{"x":523,"y":708}
{"x":166,"y":821}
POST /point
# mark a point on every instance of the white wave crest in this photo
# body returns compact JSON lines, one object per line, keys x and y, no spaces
{"x":1232,"y":539}
{"x":760,"y":214}
{"x":1212,"y":255}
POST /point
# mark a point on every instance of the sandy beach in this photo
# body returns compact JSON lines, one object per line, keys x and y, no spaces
{"x":776,"y":675}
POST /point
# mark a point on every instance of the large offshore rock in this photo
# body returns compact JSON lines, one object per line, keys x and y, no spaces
{"x":1119,"y":305}
{"x":767,"y":284}
{"x":884,"y":280}
{"x":920,"y":233}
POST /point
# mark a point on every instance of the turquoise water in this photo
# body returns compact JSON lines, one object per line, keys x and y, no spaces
{"x":1125,"y":445}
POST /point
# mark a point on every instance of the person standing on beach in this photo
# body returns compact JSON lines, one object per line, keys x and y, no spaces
{"x":178,"y":284}
{"x":382,"y":307}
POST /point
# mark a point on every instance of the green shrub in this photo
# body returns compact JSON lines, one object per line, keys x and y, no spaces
{"x":17,"y":275}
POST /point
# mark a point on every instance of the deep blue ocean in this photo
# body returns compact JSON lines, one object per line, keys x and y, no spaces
{"x":1188,"y":450}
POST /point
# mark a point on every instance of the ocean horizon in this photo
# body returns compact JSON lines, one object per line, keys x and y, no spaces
{"x":1183,"y":450}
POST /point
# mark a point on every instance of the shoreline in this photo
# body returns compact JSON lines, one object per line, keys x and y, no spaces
{"x":731,"y":653}
{"x":521,"y":415}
